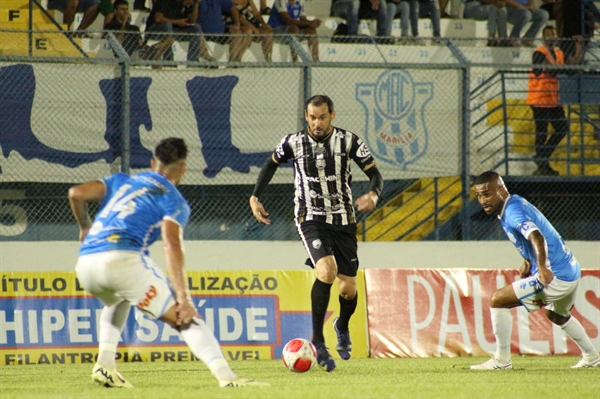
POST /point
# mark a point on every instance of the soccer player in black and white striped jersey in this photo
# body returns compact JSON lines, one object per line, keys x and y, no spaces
{"x":324,"y":212}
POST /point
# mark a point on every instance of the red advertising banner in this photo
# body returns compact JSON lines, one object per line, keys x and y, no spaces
{"x":445,"y":312}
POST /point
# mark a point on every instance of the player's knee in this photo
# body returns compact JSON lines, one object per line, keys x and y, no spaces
{"x":496,"y":301}
{"x":326,"y":276}
{"x":348,"y":294}
{"x":555,"y":318}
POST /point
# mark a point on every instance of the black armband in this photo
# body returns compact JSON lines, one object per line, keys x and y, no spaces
{"x":375,"y":180}
{"x":264,"y":177}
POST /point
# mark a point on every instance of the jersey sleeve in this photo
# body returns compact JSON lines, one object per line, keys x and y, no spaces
{"x":283,"y":151}
{"x":112,"y":181}
{"x":518,"y":218}
{"x":177,"y":210}
{"x":360,"y":153}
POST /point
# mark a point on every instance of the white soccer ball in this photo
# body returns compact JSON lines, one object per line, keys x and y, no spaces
{"x":299,"y":355}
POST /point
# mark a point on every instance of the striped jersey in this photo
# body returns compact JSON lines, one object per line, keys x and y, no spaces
{"x":322,"y":174}
{"x":131,"y":212}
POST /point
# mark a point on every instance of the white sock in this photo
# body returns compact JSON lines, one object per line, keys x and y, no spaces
{"x":502,"y":326}
{"x":205,"y":347}
{"x":576,"y":332}
{"x":112,"y":321}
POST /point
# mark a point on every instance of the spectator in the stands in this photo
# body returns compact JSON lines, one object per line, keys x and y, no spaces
{"x":355,"y":10}
{"x":251,"y":18}
{"x":178,"y":16}
{"x":89,"y":8}
{"x":492,"y":11}
{"x":424,"y":8}
{"x":129,"y":35}
{"x":287,"y":16}
{"x":520,"y":13}
{"x":395,"y":8}
{"x":264,"y":9}
{"x":221,"y":23}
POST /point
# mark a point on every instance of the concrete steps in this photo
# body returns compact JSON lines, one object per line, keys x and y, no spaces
{"x":46,"y":41}
{"x":418,"y":205}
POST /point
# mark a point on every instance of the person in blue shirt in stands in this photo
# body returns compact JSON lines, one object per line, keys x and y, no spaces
{"x":287,"y":16}
{"x":549,"y":273}
{"x":114,"y":266}
{"x":212,"y":17}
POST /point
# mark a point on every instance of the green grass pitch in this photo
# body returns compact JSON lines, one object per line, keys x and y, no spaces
{"x":531,"y":377}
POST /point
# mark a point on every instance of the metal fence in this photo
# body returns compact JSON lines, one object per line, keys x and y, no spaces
{"x":433,"y":115}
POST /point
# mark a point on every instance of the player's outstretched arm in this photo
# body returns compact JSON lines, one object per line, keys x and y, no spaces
{"x":540,"y":248}
{"x":79,"y":196}
{"x":172,"y":247}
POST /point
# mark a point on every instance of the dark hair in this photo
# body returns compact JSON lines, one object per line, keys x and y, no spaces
{"x":548,"y":27}
{"x":486,"y":177}
{"x":319,"y":100}
{"x":171,"y":150}
{"x":118,"y":3}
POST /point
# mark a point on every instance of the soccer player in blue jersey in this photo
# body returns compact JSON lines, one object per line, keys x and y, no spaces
{"x":114,"y":266}
{"x":550,"y":273}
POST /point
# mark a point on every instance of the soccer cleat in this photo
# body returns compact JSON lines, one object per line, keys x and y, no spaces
{"x":324,"y":358}
{"x":109,"y":378}
{"x":582,"y":364}
{"x":243,"y":382}
{"x":344,"y":345}
{"x":492,"y":364}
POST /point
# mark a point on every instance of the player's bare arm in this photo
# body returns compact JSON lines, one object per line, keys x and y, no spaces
{"x":172,"y":246}
{"x":79,"y":196}
{"x":540,"y":248}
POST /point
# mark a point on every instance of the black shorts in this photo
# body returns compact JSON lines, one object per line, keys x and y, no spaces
{"x":323,"y":239}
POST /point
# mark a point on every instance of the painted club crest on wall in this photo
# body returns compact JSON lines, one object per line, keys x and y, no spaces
{"x":395,"y":120}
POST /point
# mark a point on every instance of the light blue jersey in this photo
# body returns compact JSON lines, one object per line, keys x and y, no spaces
{"x":131,"y":213}
{"x":518,"y":219}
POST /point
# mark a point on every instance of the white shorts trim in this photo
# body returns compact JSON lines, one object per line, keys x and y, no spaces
{"x":558,"y":296}
{"x":115,"y":276}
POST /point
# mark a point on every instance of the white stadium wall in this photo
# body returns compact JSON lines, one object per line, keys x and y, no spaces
{"x":290,"y":255}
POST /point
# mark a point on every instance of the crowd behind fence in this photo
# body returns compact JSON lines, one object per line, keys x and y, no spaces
{"x":434,"y":116}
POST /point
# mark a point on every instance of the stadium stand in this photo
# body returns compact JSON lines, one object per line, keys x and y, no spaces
{"x":15,"y":16}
